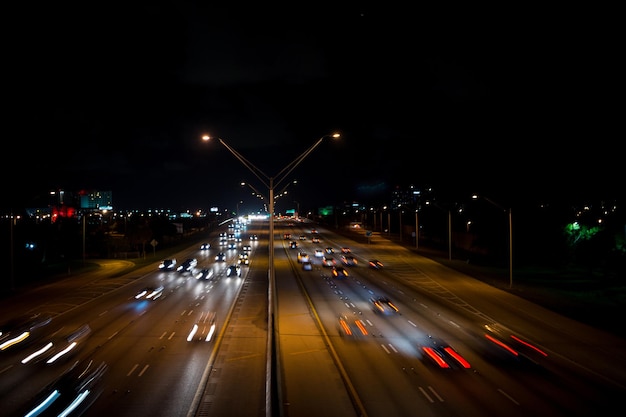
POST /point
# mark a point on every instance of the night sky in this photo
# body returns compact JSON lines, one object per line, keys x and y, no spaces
{"x":499,"y":100}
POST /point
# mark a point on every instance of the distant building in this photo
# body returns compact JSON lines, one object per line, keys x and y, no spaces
{"x":96,"y":200}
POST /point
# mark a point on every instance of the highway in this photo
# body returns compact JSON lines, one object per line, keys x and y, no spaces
{"x":334,"y":353}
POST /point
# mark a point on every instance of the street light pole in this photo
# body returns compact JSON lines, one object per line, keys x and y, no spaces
{"x":510,"y":220}
{"x":449,"y":227}
{"x":449,"y":234}
{"x":417,"y":232}
{"x":270,"y":183}
{"x":510,"y":249}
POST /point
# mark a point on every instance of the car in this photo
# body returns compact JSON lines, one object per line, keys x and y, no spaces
{"x":510,"y":346}
{"x":315,"y":239}
{"x":329,"y":250}
{"x":204,"y":274}
{"x":375,"y":263}
{"x":204,"y":329}
{"x":302,"y":237}
{"x":293,"y":244}
{"x":220,"y":257}
{"x":205,"y":246}
{"x":246,"y":248}
{"x":149,"y":293}
{"x":287,"y":236}
{"x":349,"y":260}
{"x":233,"y":271}
{"x":319,"y":253}
{"x":167,"y":265}
{"x":254,"y":237}
{"x":352,"y":327}
{"x":346,"y":249}
{"x":70,"y":394}
{"x":243,"y":259}
{"x":22,"y":330}
{"x":232,"y":245}
{"x":339,"y":272}
{"x":303,"y":257}
{"x":59,"y":346}
{"x":187,"y":265}
{"x":223,"y":242}
{"x":307,"y":266}
{"x":443,"y":355}
{"x":328,"y":261}
{"x":383,"y":305}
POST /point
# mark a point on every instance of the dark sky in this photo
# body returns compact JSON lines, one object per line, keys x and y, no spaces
{"x":503,"y":100}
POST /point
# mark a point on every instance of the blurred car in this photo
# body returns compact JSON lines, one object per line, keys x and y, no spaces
{"x":233,"y":270}
{"x":346,"y":249}
{"x":508,"y":346}
{"x":319,"y":253}
{"x":244,"y":259}
{"x":167,"y":265}
{"x":329,"y":250}
{"x":21,"y":330}
{"x":293,"y":244}
{"x":328,"y":261}
{"x":307,"y":266}
{"x":348,"y":325}
{"x":59,"y":346}
{"x":313,"y":231}
{"x":246,"y":248}
{"x":205,"y":246}
{"x":72,"y":393}
{"x":444,"y":355}
{"x":384,"y":305}
{"x":287,"y":236}
{"x":375,"y":263}
{"x":303,"y":257}
{"x":149,"y":293}
{"x":349,"y":260}
{"x":220,"y":257}
{"x":339,"y":272}
{"x":231,"y":245}
{"x":204,"y":273}
{"x":315,"y":239}
{"x":187,"y":265}
{"x":254,"y":237}
{"x":302,"y":237}
{"x":204,"y":329}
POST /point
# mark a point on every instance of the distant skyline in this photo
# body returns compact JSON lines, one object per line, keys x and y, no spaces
{"x":513,"y":102}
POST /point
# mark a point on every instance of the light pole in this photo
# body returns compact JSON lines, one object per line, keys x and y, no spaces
{"x":417,"y":232}
{"x":12,"y":219}
{"x":449,"y":227}
{"x":510,"y":218}
{"x":400,"y":222}
{"x":238,"y":203}
{"x":271,"y":183}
